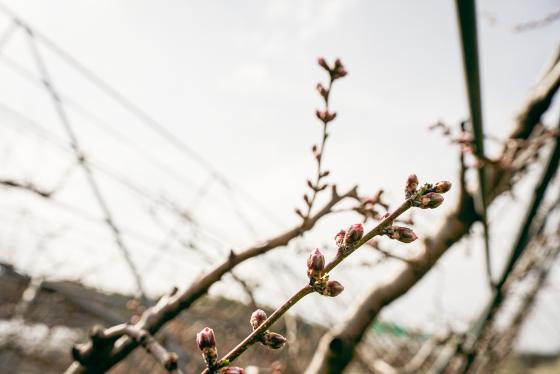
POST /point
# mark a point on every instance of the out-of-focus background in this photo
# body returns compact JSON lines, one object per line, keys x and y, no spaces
{"x":197,"y":119}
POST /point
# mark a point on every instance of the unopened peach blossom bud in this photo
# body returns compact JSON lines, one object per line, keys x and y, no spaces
{"x":411,"y":185}
{"x":431,"y":200}
{"x":322,"y":63}
{"x":315,"y":264}
{"x":325,"y":115}
{"x":273,"y":340}
{"x":339,"y":238}
{"x":402,"y":234}
{"x":322,"y":90}
{"x":353,"y":235}
{"x":333,"y":288}
{"x":257,"y":318}
{"x":232,"y":370}
{"x":206,"y":339}
{"x":442,"y":186}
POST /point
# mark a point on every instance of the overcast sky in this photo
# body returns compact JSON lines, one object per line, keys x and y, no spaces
{"x":234,"y":81}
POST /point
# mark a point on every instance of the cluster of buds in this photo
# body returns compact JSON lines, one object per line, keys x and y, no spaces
{"x":320,"y":281}
{"x":270,"y":339}
{"x":429,"y":196}
{"x":402,"y":234}
{"x":336,"y":71}
{"x":347,"y":239}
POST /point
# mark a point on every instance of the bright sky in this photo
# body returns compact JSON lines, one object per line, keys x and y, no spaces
{"x":235,"y":82}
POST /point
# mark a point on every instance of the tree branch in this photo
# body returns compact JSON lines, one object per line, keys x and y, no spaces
{"x":154,"y":318}
{"x":336,"y":348}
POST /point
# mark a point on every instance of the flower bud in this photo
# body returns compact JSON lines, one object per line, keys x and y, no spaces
{"x":232,"y":370}
{"x":322,"y":90}
{"x":206,"y":339}
{"x":430,"y":200}
{"x":338,"y":64}
{"x":442,"y":187}
{"x":322,"y":63}
{"x":273,"y":340}
{"x":402,"y":234}
{"x":325,"y":115}
{"x":257,"y":318}
{"x":333,"y":288}
{"x":340,"y":73}
{"x":353,"y":235}
{"x":315,"y":264}
{"x":206,"y":342}
{"x":339,"y":238}
{"x":411,"y":185}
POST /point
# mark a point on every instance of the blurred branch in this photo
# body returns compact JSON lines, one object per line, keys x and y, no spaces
{"x":337,"y":346}
{"x":26,"y":186}
{"x":526,"y":232}
{"x":170,"y":306}
{"x":535,"y":24}
{"x":103,"y":338}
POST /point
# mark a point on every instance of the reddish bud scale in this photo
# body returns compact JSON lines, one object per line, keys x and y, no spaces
{"x":273,"y":340}
{"x":315,"y":264}
{"x":232,"y":370}
{"x":431,"y":200}
{"x":339,"y":238}
{"x":442,"y":187}
{"x":322,"y":91}
{"x":402,"y":234}
{"x":333,"y":288}
{"x":322,"y":63}
{"x":353,"y":235}
{"x":411,"y":185}
{"x":206,"y":339}
{"x":325,"y":115}
{"x":257,"y":318}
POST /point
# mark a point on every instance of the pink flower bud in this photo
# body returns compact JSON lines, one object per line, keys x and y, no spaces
{"x":353,"y":235}
{"x":402,"y":234}
{"x":257,"y":318}
{"x":442,"y":187}
{"x":338,"y":64}
{"x":232,"y":370}
{"x":340,"y":73}
{"x":315,"y":264}
{"x":431,"y":200}
{"x":411,"y":185}
{"x":322,"y":90}
{"x":322,"y":63}
{"x":333,"y":288}
{"x":206,"y":339}
{"x":325,"y":115}
{"x":339,"y":238}
{"x":273,"y":340}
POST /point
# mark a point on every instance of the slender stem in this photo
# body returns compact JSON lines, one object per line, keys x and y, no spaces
{"x":257,"y":334}
{"x":377,"y":230}
{"x":307,"y":289}
{"x":321,"y":151}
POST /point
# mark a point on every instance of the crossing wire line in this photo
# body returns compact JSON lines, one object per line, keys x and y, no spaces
{"x":143,"y":116}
